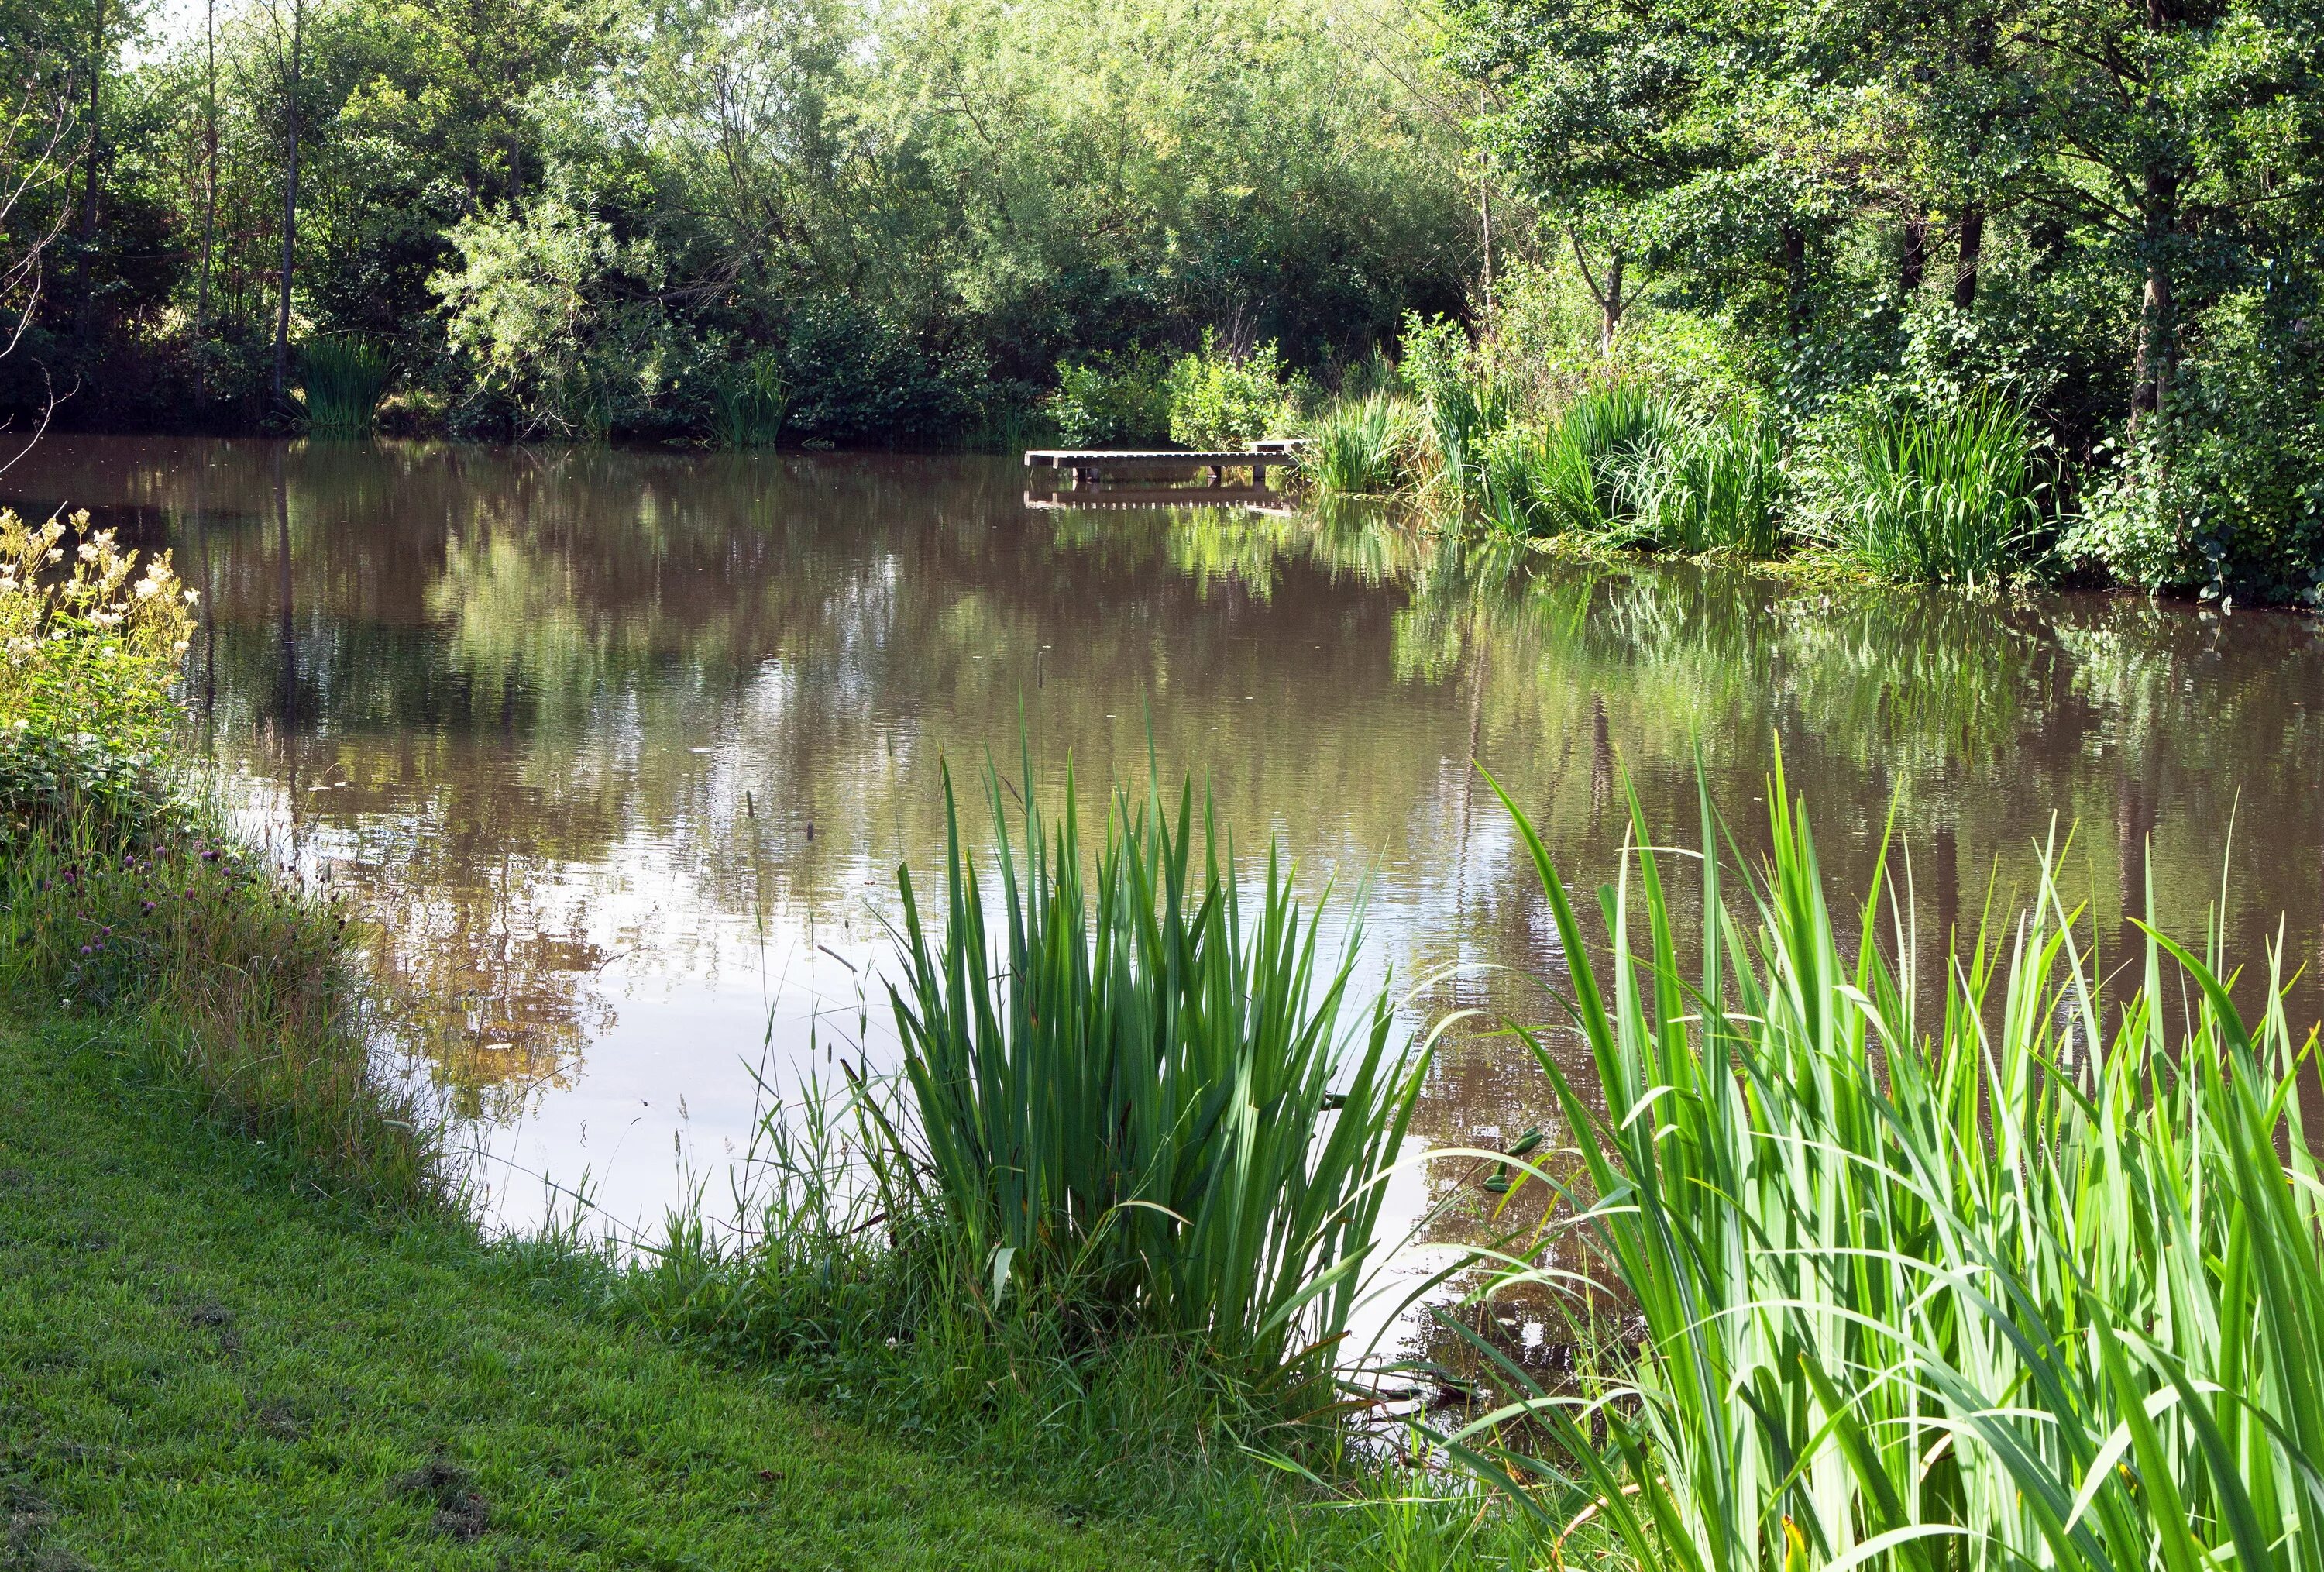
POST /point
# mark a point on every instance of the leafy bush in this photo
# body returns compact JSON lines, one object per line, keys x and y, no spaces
{"x":1143,"y":1104}
{"x":1716,"y":486}
{"x":855,"y":377}
{"x":1464,"y":406}
{"x":561,"y":322}
{"x":1222,"y":399}
{"x":343,"y":379}
{"x":1942,"y":497}
{"x":2020,"y":1276}
{"x":87,"y":657}
{"x":1116,"y":400}
{"x":2226,"y":496}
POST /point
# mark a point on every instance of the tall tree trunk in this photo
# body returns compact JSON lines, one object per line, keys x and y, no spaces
{"x":1610,"y":317}
{"x":209,"y":198}
{"x":1609,"y":295}
{"x":1795,"y":279}
{"x":2151,"y":371}
{"x":290,"y":216}
{"x":1485,"y":222}
{"x":1914,"y":266}
{"x":2150,"y":374}
{"x":86,"y":311}
{"x":1972,"y":251}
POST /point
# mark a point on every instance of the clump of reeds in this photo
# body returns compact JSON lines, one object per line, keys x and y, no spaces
{"x":1361,"y":447}
{"x":2015,"y":1276}
{"x":1581,"y":471}
{"x":748,"y":400}
{"x":343,"y":379}
{"x":1943,"y":496}
{"x":1133,"y":1093}
{"x":1716,"y":486}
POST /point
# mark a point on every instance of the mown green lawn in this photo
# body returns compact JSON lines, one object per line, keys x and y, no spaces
{"x":200,"y":1366}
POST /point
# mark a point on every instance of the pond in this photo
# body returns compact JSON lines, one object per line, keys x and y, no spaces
{"x":621,"y":752}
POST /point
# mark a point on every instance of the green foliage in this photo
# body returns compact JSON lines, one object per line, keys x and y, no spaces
{"x":1361,"y":447}
{"x":856,"y":376}
{"x":1142,"y":1102}
{"x":1113,"y":400}
{"x":2021,"y":1273}
{"x":561,"y":215}
{"x":1942,"y":497}
{"x":1586,"y":471}
{"x":343,"y":379}
{"x":748,"y":402}
{"x":2226,"y":496}
{"x":88,"y":649}
{"x":1717,"y":486}
{"x":1220,"y":399}
{"x":557,"y":316}
{"x":2103,"y":213}
{"x":1463,"y":406}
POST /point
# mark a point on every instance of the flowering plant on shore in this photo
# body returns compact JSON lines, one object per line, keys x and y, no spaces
{"x":89,"y":647}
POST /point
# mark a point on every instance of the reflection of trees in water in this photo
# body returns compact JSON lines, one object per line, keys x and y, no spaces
{"x":531,"y":668}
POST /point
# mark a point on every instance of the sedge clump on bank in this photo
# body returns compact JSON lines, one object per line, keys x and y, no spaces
{"x":2022,"y":1274}
{"x":1142,"y":1099}
{"x":1109,"y":1224}
{"x":1137,"y":1104}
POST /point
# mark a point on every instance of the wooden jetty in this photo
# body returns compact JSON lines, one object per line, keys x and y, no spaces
{"x":1092,"y":476}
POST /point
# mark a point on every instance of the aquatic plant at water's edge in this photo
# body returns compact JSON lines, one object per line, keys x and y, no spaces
{"x":1140,"y":1087}
{"x":2019,"y":1274}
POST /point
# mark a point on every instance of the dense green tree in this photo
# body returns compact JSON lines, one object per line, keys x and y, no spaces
{"x":908,"y":205}
{"x":2103,"y":208}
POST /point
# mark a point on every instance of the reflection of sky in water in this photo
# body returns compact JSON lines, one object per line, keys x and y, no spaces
{"x":621,"y":751}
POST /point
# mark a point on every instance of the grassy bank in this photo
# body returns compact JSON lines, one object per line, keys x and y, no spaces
{"x":202,"y":1364}
{"x":242,"y":1287}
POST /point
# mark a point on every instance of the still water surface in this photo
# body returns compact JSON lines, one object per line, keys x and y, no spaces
{"x":622,"y":751}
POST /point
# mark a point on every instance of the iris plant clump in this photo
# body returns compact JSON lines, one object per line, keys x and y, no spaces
{"x":2017,"y":1275}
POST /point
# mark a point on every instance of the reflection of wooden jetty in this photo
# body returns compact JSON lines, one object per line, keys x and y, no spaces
{"x":1093,"y":476}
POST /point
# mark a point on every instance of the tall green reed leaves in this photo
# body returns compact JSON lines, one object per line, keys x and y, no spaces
{"x":1360,"y":446}
{"x":1582,"y":474}
{"x":748,"y":402}
{"x":1135,"y":1092}
{"x":1716,"y":486}
{"x":1999,"y":1284}
{"x":1943,"y":497}
{"x":342,"y":379}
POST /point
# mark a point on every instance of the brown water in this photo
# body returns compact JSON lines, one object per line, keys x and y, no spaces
{"x":621,"y":751}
